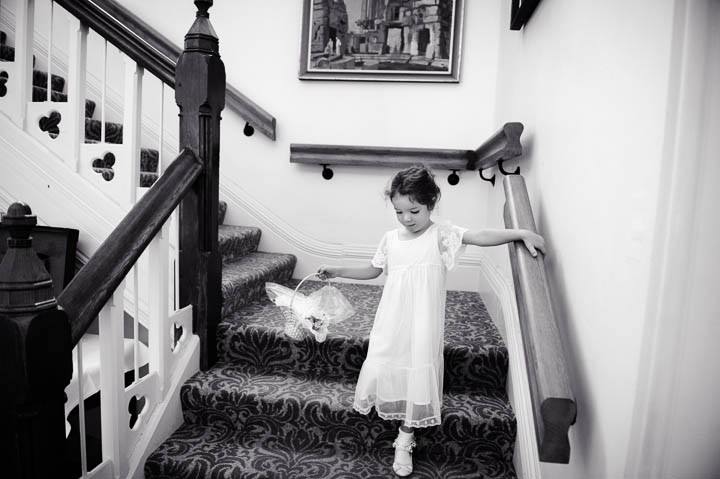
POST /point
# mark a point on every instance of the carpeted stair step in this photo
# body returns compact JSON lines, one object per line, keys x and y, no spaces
{"x":7,"y":53}
{"x":475,"y":354}
{"x":237,"y":241}
{"x":113,"y":131}
{"x":243,"y":280}
{"x":204,"y":452}
{"x":147,"y":179}
{"x":40,"y":94}
{"x":256,"y":402}
{"x":222,"y":209}
{"x":40,"y":79}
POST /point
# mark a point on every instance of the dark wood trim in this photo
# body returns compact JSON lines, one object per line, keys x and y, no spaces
{"x":95,"y":283}
{"x":155,"y":53}
{"x":503,"y":145}
{"x":201,"y":104}
{"x":554,"y":407}
{"x":379,"y":156}
{"x":520,"y":12}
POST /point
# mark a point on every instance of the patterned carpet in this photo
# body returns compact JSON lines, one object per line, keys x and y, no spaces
{"x":277,"y":408}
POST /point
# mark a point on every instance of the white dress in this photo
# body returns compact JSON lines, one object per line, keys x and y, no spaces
{"x":402,"y":375}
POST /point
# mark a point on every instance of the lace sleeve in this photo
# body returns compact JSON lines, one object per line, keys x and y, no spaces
{"x":450,"y":243}
{"x":380,"y":258}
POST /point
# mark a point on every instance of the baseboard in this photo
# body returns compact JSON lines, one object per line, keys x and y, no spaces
{"x":503,"y":309}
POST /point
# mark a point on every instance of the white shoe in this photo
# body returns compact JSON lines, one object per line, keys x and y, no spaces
{"x":403,"y":445}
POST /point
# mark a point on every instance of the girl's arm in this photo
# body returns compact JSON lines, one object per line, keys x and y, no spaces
{"x":359,"y":272}
{"x":488,"y":237}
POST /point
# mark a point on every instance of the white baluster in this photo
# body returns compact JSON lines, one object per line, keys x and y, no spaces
{"x":158,"y":324}
{"x":132,"y":117}
{"x":81,"y":411}
{"x":76,"y":81}
{"x":136,"y":322}
{"x":160,"y":166}
{"x":103,"y":96}
{"x":49,"y":51}
{"x":24,"y":29}
{"x":112,"y":383}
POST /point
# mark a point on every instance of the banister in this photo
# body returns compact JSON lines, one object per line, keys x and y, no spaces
{"x":155,"y":53}
{"x":503,"y":145}
{"x":95,"y":283}
{"x":554,"y":407}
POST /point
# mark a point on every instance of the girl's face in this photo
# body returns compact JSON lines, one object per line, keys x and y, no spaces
{"x":415,"y":217}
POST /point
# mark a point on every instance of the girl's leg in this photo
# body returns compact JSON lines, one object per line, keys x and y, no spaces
{"x":404,"y":445}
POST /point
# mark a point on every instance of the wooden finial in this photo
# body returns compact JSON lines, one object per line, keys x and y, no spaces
{"x":203,"y":6}
{"x":25,"y":285}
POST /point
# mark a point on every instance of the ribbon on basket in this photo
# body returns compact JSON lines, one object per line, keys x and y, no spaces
{"x":311,"y":314}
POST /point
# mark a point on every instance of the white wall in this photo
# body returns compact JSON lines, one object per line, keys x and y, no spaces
{"x":260,"y":45}
{"x":590,"y":81}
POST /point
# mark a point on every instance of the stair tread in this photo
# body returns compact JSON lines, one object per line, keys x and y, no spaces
{"x":196,"y":451}
{"x":237,"y":241}
{"x":467,"y":322}
{"x":475,"y":354}
{"x":239,"y":381}
{"x":243,"y":279}
{"x":255,"y":265}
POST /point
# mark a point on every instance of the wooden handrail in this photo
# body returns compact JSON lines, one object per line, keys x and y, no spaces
{"x":155,"y":53}
{"x":95,"y":283}
{"x":553,"y":401}
{"x":503,"y":145}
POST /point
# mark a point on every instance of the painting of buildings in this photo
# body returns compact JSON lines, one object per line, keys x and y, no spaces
{"x":388,"y":36}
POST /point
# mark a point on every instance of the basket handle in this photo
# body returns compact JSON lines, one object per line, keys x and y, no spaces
{"x":292,"y":299}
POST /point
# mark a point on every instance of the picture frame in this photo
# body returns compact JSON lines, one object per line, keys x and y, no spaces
{"x":382,"y":40}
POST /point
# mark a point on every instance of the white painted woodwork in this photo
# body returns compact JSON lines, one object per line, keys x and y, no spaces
{"x":24,"y":30}
{"x":132,"y":118}
{"x":81,"y":409}
{"x":159,"y":325}
{"x":112,"y":386}
{"x":76,"y":89}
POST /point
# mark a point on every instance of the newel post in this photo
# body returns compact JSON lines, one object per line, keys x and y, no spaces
{"x":35,"y":358}
{"x":200,"y":95}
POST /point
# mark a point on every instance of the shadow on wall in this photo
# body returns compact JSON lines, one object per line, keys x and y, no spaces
{"x":583,"y":448}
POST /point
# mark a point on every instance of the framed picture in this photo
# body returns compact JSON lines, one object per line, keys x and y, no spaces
{"x":381,"y":40}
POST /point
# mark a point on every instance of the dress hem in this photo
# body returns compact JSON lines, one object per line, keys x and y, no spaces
{"x":429,"y":422}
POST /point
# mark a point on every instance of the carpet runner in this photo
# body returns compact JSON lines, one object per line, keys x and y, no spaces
{"x":277,"y":408}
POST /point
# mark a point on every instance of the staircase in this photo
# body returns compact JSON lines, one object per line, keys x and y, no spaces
{"x":273,"y":407}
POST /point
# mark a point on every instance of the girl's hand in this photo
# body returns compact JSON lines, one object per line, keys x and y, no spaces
{"x":533,"y":242}
{"x":326,"y":272}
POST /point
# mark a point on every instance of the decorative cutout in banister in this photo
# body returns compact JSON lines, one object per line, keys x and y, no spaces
{"x":502,"y":146}
{"x":157,"y":54}
{"x":554,"y":407}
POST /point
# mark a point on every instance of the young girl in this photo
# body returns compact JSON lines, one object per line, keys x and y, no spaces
{"x":402,"y":376}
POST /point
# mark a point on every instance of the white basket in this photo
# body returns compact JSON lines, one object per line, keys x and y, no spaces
{"x":293,"y":324}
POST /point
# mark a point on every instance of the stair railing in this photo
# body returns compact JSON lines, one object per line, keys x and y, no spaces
{"x":553,"y":402}
{"x":183,"y":299}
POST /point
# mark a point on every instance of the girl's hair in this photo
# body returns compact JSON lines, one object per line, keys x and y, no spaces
{"x":417,"y":182}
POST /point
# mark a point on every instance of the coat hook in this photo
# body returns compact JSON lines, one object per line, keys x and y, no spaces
{"x":491,"y":179}
{"x":327,"y":173}
{"x":504,"y":172}
{"x":248,"y":130}
{"x":453,"y":178}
